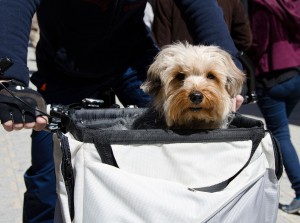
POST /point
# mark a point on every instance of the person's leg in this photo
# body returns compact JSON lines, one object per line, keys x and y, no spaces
{"x":294,"y":97}
{"x":276,"y":105}
{"x":291,"y":101}
{"x":275,"y":114}
{"x":40,"y":197}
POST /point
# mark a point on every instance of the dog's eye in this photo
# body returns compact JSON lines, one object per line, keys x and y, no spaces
{"x":180,"y":76}
{"x":210,"y":76}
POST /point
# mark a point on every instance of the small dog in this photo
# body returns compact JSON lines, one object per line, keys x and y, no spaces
{"x":193,"y":86}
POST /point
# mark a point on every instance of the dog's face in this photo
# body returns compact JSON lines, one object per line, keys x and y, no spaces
{"x":193,"y":85}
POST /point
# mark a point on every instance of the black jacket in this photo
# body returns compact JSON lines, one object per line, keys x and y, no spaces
{"x":94,"y":38}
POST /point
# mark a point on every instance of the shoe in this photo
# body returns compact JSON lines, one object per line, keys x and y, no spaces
{"x":291,"y":208}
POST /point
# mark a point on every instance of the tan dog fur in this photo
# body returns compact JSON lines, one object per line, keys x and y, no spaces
{"x":193,"y":86}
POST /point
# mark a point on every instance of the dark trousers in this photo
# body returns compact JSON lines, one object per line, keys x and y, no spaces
{"x":276,"y":105}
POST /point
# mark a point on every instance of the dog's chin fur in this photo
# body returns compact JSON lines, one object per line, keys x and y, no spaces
{"x":179,"y":71}
{"x":151,"y":119}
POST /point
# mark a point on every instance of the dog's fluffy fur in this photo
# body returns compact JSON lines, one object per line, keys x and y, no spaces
{"x":193,"y":86}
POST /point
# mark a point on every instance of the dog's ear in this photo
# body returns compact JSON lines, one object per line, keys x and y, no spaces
{"x":157,"y":70}
{"x":234,"y":76}
{"x":235,"y":81}
{"x":152,"y":85}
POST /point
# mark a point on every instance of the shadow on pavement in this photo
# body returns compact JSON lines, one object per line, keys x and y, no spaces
{"x":253,"y":110}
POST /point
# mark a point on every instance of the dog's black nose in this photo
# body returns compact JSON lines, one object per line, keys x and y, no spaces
{"x":196,"y":97}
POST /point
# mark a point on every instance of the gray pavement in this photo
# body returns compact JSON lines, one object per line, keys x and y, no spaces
{"x":15,"y":159}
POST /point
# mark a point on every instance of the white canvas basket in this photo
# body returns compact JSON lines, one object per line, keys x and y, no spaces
{"x":158,"y":176}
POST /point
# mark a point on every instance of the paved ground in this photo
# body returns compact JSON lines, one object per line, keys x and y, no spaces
{"x":15,"y":159}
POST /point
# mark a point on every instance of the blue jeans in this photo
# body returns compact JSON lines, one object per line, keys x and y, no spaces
{"x":276,"y":105}
{"x":40,"y":197}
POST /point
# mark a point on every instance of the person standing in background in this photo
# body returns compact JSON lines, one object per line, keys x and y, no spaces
{"x":275,"y":52}
{"x":169,"y":26}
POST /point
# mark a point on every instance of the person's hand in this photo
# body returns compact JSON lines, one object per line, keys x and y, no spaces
{"x":237,"y":102}
{"x":21,"y":107}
